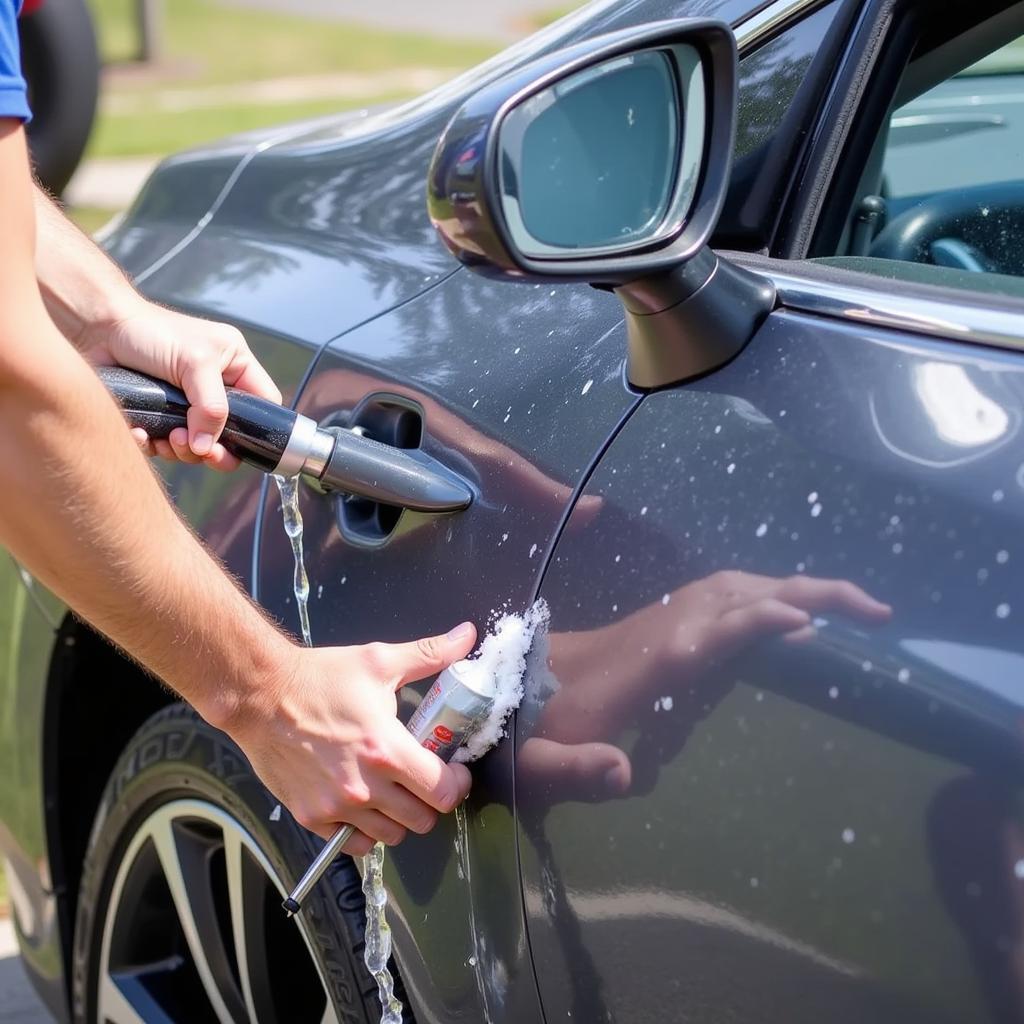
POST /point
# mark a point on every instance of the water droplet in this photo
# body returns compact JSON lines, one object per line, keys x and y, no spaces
{"x":587,"y":387}
{"x":1002,"y":610}
{"x":998,"y":495}
{"x":1002,"y":557}
{"x":666,"y":703}
{"x":866,"y":666}
{"x":815,"y":510}
{"x":472,"y":961}
{"x":731,"y":468}
{"x":643,"y":511}
{"x":812,"y":497}
{"x":849,"y":835}
{"x":903,"y":675}
{"x":754,"y":883}
{"x":618,"y":558}
{"x":666,"y":598}
{"x":718,"y":428}
{"x":516,"y":351}
{"x":1018,"y":869}
{"x":275,"y":814}
{"x":833,"y":692}
{"x":761,"y":530}
{"x":533,"y":550}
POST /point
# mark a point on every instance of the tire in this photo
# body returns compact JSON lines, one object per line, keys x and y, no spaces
{"x":62,"y":67}
{"x":182,"y":812}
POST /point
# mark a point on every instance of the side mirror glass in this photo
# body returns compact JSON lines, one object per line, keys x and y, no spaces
{"x":605,"y":159}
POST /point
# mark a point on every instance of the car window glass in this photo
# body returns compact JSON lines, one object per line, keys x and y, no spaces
{"x":944,"y":187}
{"x":769,"y":81}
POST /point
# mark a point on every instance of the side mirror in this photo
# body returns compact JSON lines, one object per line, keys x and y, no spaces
{"x":608,"y":163}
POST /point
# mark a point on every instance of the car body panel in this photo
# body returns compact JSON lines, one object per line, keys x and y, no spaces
{"x":519,"y":405}
{"x":833,"y":828}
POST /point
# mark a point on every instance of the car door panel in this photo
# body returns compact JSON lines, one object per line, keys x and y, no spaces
{"x":519,"y":389}
{"x":828,"y":825}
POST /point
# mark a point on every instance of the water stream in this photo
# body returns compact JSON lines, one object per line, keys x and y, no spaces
{"x":289,"y":489}
{"x":377,"y":950}
{"x":378,"y":935}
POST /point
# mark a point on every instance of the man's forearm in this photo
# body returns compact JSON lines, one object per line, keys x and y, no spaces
{"x":86,"y":514}
{"x":80,"y":285}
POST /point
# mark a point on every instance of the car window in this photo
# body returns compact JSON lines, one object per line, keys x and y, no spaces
{"x":771,"y":79}
{"x":944,"y":186}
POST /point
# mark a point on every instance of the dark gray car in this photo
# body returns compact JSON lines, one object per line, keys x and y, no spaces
{"x":768,"y":767}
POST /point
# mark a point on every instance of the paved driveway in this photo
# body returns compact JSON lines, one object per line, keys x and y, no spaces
{"x":18,"y":1001}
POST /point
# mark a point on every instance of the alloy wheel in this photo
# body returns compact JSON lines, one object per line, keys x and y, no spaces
{"x":194,"y":930}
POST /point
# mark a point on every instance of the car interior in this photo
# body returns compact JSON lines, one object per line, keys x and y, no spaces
{"x":938,"y":200}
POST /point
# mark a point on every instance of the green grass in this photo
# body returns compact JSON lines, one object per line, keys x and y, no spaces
{"x":542,"y":18}
{"x":209,"y":44}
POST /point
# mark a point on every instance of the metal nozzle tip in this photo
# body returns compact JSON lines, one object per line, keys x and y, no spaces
{"x":291,"y":907}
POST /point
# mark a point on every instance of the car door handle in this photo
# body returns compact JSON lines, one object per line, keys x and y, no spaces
{"x":279,"y":440}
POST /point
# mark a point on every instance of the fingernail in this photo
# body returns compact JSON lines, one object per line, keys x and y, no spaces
{"x":202,"y":443}
{"x":461,"y":631}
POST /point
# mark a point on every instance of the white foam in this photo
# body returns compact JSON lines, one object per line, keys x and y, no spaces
{"x":500,"y":664}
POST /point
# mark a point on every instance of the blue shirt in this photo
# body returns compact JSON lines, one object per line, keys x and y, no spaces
{"x":13,"y":94}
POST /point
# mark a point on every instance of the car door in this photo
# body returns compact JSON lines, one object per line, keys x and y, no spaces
{"x":784,"y":662}
{"x":516,"y":394}
{"x":518,"y":390}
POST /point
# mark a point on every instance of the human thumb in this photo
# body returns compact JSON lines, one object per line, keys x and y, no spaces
{"x":405,"y":663}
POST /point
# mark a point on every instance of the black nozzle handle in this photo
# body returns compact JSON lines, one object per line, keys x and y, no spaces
{"x":257,"y":431}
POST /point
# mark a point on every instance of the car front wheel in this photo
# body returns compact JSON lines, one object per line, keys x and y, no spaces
{"x":179,"y":916}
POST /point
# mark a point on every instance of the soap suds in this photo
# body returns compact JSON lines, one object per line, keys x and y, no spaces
{"x":501,"y":660}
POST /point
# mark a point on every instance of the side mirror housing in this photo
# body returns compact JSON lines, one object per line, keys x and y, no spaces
{"x":607,"y":163}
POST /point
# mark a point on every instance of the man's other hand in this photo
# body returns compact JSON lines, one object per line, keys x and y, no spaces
{"x":326,"y":739}
{"x":199,"y":356}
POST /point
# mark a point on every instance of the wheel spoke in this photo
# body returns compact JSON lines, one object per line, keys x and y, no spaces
{"x":113,"y":1006}
{"x":193,"y":900}
{"x":237,"y":889}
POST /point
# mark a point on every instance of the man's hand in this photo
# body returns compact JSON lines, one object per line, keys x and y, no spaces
{"x":329,"y":744}
{"x":198,"y":356}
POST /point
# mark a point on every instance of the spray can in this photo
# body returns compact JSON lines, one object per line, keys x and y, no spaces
{"x":453,"y":708}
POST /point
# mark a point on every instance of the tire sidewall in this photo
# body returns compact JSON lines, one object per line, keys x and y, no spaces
{"x":176,"y":755}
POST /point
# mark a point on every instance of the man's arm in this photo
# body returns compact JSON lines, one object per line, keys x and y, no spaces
{"x":96,"y":308}
{"x":84,"y":512}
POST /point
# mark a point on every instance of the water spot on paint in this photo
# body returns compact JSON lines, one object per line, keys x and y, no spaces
{"x":587,"y":386}
{"x":815,"y":510}
{"x":903,"y":675}
{"x":761,"y":530}
{"x":533,"y":550}
{"x":998,"y":496}
{"x":666,"y":598}
{"x":1002,"y":610}
{"x":643,"y":511}
{"x":731,"y":468}
{"x":849,"y":836}
{"x":1002,"y":557}
{"x":833,"y":692}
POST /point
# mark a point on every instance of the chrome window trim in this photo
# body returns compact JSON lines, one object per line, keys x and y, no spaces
{"x":776,"y":16}
{"x":973,"y":319}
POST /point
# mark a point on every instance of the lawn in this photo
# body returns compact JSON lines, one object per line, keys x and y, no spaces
{"x":207,"y":45}
{"x":210,"y":48}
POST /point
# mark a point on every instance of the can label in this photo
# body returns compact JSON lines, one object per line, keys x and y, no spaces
{"x":447,"y":715}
